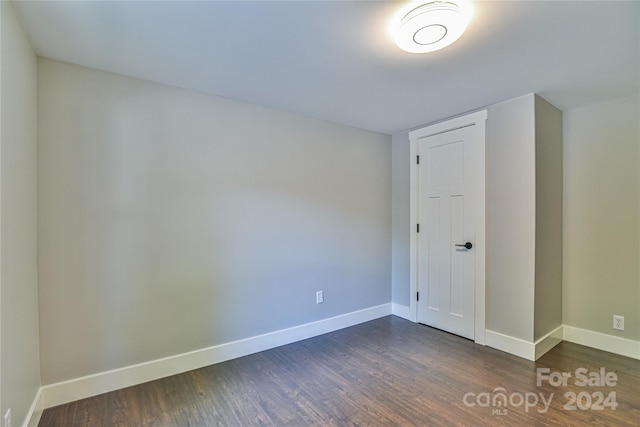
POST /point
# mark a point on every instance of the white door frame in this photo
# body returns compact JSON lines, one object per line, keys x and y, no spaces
{"x":477,"y":119}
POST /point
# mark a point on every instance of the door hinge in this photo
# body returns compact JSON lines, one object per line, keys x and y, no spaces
{"x":417,"y":160}
{"x":417,"y":228}
{"x":417,"y":296}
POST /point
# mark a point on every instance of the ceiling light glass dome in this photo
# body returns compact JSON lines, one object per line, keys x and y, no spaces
{"x":428,"y":26}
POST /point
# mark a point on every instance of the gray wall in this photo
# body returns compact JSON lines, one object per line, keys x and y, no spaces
{"x":602,"y":216}
{"x":510,"y":170}
{"x":19,"y":355}
{"x":548,"y":280}
{"x":400,"y":218}
{"x":172,"y":221}
{"x":510,"y":193}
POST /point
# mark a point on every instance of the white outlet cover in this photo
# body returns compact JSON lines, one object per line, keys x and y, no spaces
{"x":618,"y":323}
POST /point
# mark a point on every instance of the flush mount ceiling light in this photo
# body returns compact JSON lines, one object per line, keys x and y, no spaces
{"x":423,"y":27}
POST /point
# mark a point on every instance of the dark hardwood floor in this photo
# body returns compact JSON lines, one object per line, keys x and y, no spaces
{"x":387,"y":372}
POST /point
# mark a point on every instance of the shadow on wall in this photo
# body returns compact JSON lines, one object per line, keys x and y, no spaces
{"x":175,"y":221}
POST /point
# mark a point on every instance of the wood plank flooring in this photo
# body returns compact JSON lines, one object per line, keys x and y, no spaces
{"x":387,"y":372}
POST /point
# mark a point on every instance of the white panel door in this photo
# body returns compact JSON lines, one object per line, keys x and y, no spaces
{"x":446,"y":268}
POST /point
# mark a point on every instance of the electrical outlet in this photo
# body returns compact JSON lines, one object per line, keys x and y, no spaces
{"x":319,"y":297}
{"x":7,"y":418}
{"x":618,"y":322}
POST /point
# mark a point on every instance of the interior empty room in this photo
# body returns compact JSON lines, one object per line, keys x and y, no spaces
{"x":320,"y":213}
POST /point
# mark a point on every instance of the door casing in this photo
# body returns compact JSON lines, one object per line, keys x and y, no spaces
{"x":474,"y":119}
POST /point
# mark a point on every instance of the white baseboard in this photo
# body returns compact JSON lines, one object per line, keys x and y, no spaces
{"x":511,"y":345}
{"x":91,"y":385}
{"x":80,"y":388}
{"x":549,"y":341}
{"x":532,"y":351}
{"x":403,"y":311}
{"x":610,"y":343}
{"x":35,"y":411}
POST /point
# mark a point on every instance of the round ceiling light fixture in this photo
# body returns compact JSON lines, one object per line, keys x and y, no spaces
{"x":423,"y":27}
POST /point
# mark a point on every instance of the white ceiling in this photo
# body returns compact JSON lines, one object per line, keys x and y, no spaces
{"x":334,"y":59}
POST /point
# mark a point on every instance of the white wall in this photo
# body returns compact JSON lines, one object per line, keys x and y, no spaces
{"x":172,"y":221}
{"x":19,"y":355}
{"x":602,"y":216}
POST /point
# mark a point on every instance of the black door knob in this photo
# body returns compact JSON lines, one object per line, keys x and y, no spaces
{"x":467,"y":245}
